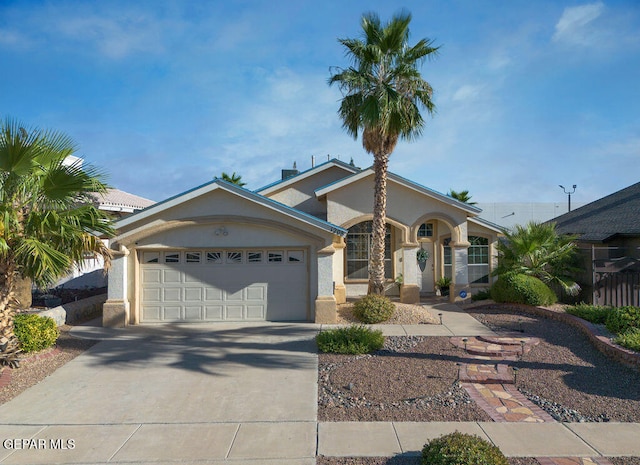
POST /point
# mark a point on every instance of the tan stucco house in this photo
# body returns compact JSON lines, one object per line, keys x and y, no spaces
{"x":290,"y":251}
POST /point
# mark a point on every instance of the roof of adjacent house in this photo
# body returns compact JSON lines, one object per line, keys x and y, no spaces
{"x":617,"y":214}
{"x":117,"y":200}
{"x":281,"y":183}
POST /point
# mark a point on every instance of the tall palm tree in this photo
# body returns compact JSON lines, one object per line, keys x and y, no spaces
{"x":47,"y":219}
{"x":462,"y":196}
{"x":233,"y":178}
{"x":536,"y":249}
{"x":383,"y":93}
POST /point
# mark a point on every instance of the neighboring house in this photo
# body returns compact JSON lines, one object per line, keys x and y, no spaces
{"x":608,"y":234}
{"x":290,"y":251}
{"x":90,"y":273}
{"x":510,"y":214}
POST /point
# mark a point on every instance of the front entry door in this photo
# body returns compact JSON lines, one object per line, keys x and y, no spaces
{"x":427,"y":274}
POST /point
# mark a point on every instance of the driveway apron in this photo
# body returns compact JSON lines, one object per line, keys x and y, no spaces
{"x":223,"y":392}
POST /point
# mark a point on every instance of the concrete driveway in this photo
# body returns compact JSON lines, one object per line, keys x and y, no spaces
{"x":201,"y":393}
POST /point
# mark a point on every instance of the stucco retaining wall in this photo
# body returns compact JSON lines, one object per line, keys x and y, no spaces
{"x":595,"y":334}
{"x":85,"y":308}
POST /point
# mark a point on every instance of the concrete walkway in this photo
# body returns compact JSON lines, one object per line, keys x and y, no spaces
{"x":242,"y":394}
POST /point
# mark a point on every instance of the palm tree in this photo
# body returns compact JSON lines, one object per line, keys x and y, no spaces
{"x":383,"y":93}
{"x":462,"y":196}
{"x":536,"y":249}
{"x":233,"y":178}
{"x":47,"y":219}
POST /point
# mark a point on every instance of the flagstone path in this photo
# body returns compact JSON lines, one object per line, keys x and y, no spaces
{"x":491,"y":384}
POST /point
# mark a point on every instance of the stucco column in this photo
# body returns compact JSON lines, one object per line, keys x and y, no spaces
{"x":460,"y":290}
{"x":115,"y":311}
{"x":410,"y":290}
{"x":326,"y":306}
{"x":340,"y":290}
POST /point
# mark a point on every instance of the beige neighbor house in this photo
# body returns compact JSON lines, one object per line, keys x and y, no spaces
{"x":290,"y":251}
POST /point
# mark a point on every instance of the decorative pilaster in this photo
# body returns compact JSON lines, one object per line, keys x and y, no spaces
{"x":410,"y":289}
{"x":115,"y":311}
{"x":460,"y":290}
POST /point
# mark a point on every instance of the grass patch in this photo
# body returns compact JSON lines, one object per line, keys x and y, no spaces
{"x":354,"y":339}
{"x":596,"y":314}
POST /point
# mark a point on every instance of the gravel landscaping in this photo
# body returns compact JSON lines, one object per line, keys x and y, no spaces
{"x":36,"y":367}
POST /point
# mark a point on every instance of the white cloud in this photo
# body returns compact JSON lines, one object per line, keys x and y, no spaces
{"x":467,"y":92}
{"x":574,"y":25}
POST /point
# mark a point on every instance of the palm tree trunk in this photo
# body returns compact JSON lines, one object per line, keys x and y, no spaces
{"x":379,"y":227}
{"x":9,"y":347}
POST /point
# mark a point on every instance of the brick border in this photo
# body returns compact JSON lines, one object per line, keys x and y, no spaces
{"x":6,"y":372}
{"x":601,"y":341}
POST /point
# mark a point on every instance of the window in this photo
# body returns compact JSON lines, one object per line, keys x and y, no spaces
{"x":425,"y":230}
{"x":358,"y":248}
{"x":193,"y":257}
{"x":214,"y":258}
{"x":254,"y":257}
{"x":295,"y":256}
{"x":172,"y":257}
{"x":446,"y":259}
{"x":234,"y":257}
{"x":275,"y":256}
{"x":151,"y":257}
{"x":478,"y":260}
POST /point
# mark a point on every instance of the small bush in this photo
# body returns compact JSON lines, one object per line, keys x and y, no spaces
{"x":596,"y":314}
{"x":373,"y":309}
{"x":354,"y":339}
{"x":630,"y":339}
{"x":461,"y":449}
{"x":622,"y":319}
{"x":481,"y":295}
{"x":522,"y":289}
{"x":35,"y":332}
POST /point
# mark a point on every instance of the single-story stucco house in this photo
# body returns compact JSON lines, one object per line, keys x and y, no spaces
{"x":290,"y":251}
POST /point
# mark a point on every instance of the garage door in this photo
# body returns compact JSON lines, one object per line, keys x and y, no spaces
{"x":224,"y":285}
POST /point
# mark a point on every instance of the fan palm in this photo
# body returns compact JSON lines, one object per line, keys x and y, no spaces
{"x":47,"y":220}
{"x":536,"y":249}
{"x":462,"y":196}
{"x":383,"y":93}
{"x":233,"y":178}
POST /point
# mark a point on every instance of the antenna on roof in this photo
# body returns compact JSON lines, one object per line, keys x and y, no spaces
{"x":328,"y":157}
{"x":313,"y":161}
{"x":294,"y":166}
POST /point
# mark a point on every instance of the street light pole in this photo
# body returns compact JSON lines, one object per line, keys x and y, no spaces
{"x":569,"y":193}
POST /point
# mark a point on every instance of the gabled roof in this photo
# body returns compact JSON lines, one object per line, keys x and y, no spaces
{"x":402,"y":181}
{"x":617,"y":214}
{"x":274,"y":186}
{"x":117,"y":200}
{"x":234,"y":189}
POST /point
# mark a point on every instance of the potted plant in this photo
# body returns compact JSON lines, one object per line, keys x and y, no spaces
{"x":422,"y":256}
{"x":443,"y":285}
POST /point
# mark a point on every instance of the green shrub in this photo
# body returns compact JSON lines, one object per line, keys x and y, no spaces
{"x":596,"y":314}
{"x":461,"y":449}
{"x":35,"y":332}
{"x":354,"y":339}
{"x":630,"y":339}
{"x":622,"y":319}
{"x":522,"y":289}
{"x":484,"y":294}
{"x":373,"y":309}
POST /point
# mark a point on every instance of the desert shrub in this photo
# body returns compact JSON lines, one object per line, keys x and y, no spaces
{"x":630,"y":339}
{"x":483,"y":294}
{"x":35,"y":332}
{"x":596,"y":314}
{"x":622,"y":319}
{"x":461,"y":449}
{"x":354,"y":339}
{"x":373,"y":309}
{"x":522,"y":289}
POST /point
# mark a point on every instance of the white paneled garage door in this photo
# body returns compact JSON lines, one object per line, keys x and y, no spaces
{"x":224,"y":285}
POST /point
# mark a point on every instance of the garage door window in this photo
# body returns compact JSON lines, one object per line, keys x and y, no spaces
{"x":193,"y":257}
{"x":171,"y":257}
{"x":254,"y":257}
{"x":214,"y":258}
{"x":275,"y":256}
{"x":151,"y":257}
{"x":295,"y":256}
{"x":234,"y":257}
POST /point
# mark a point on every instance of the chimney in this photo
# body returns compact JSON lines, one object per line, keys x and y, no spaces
{"x":286,"y":174}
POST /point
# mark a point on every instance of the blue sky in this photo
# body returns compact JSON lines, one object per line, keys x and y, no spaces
{"x":165,"y":95}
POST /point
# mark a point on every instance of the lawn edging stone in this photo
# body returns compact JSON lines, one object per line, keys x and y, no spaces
{"x":595,"y":334}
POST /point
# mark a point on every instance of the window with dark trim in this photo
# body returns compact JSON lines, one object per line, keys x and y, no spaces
{"x":358,"y":242}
